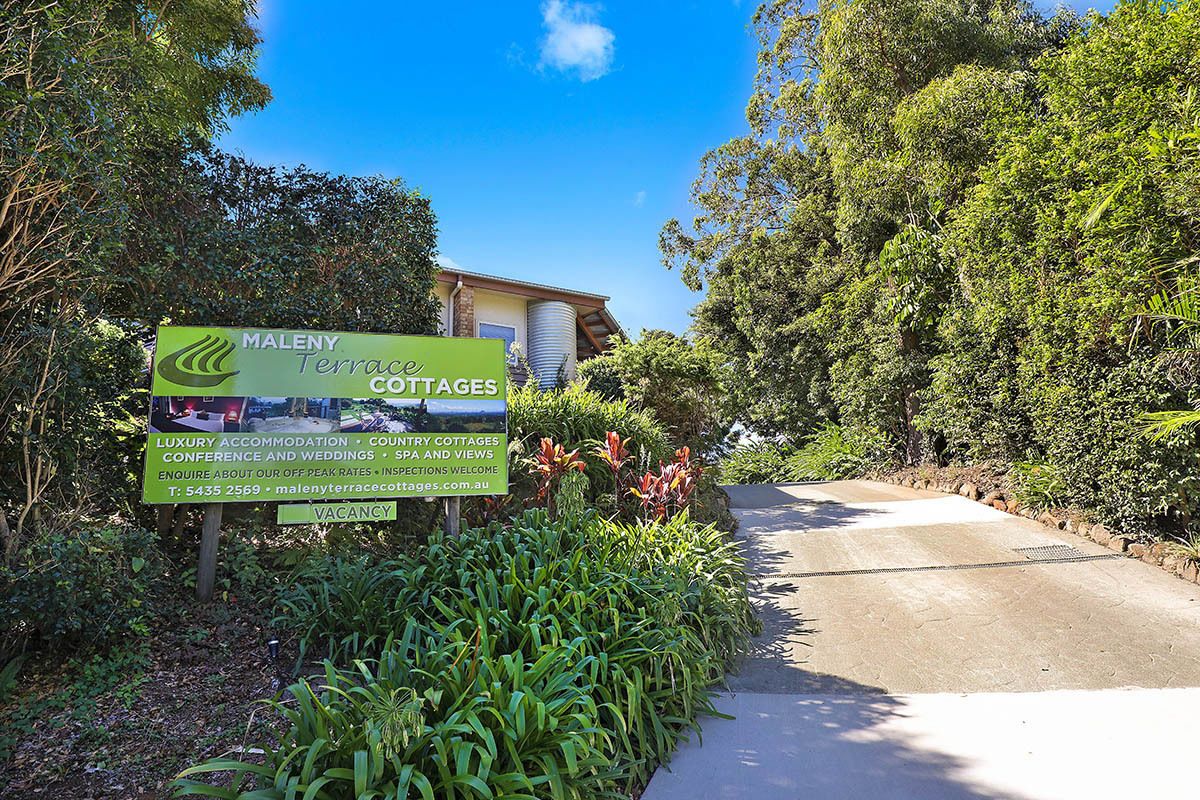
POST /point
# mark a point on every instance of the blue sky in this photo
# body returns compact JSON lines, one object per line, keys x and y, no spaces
{"x":553,"y":138}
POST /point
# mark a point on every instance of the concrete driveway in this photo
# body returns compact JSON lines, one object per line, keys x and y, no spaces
{"x":918,"y":645}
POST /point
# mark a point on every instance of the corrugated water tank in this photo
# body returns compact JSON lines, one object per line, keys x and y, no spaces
{"x":551,"y":332}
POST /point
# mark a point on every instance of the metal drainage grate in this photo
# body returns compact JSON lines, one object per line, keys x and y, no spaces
{"x":1048,"y":552}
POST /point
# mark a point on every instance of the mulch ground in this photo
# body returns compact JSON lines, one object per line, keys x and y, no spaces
{"x":123,"y":725}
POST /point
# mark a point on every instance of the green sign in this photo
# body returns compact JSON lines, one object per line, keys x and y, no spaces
{"x":301,"y":513}
{"x":253,"y":415}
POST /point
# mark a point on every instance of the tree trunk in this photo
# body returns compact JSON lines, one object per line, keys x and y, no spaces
{"x":910,"y":346}
{"x":163,"y":527}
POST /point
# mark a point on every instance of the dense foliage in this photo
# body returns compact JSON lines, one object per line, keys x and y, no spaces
{"x":828,"y":454}
{"x":84,"y":88}
{"x":548,"y":660}
{"x":679,"y":381}
{"x":941,"y":229}
{"x":755,"y":462}
{"x":834,"y":453}
{"x":581,"y":419}
{"x":563,"y":654}
{"x":90,"y":586}
{"x":288,"y":248}
{"x":118,"y":216}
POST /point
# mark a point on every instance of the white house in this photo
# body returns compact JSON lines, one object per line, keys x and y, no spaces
{"x":553,"y":328}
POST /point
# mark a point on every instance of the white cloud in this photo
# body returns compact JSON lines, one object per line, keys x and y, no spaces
{"x":448,"y":263}
{"x":639,"y":199}
{"x":575,"y":41}
{"x":515,"y":55}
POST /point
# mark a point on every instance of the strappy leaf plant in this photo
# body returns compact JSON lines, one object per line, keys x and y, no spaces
{"x":531,"y":659}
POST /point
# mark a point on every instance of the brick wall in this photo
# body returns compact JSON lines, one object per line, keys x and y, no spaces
{"x":464,"y":312}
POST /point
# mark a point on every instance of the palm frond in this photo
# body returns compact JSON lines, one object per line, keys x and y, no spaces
{"x":1097,"y":210}
{"x":1158,"y":425}
{"x":1181,"y":307}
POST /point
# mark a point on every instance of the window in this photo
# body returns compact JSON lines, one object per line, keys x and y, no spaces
{"x":490,"y":330}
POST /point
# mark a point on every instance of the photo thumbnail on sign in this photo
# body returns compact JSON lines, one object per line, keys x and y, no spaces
{"x":245,"y":414}
{"x":378,"y":414}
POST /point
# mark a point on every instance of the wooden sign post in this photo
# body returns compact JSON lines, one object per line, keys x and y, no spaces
{"x":453,"y":514}
{"x":210,"y":537}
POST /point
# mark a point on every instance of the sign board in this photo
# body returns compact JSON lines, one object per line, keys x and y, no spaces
{"x":254,"y":415}
{"x":305,"y":513}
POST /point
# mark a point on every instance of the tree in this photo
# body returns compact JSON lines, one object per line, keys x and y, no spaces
{"x":600,"y":375}
{"x":818,"y":231}
{"x":84,"y":86}
{"x":940,"y":227}
{"x":218,"y":240}
{"x":1088,"y":211}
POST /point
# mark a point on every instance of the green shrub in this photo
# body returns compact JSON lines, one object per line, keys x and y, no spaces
{"x":577,"y":418}
{"x":832,"y":453}
{"x":241,"y":570}
{"x":677,"y":380}
{"x":347,"y":605}
{"x":570,"y":496}
{"x":85,"y":586}
{"x":759,"y":462}
{"x":600,"y":375}
{"x":1087,"y":428}
{"x":625,"y":626}
{"x":836,"y":453}
{"x":1038,"y":485}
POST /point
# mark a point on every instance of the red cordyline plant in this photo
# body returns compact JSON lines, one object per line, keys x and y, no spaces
{"x":662,"y":494}
{"x":614,"y":452}
{"x":549,"y":464}
{"x":666,"y":494}
{"x":494,"y":508}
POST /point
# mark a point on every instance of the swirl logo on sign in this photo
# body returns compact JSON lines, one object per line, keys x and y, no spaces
{"x":201,"y":363}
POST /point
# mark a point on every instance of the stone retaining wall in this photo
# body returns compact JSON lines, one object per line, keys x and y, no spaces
{"x":1159,"y":553}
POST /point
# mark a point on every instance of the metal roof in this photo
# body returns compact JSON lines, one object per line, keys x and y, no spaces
{"x":527,"y":284}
